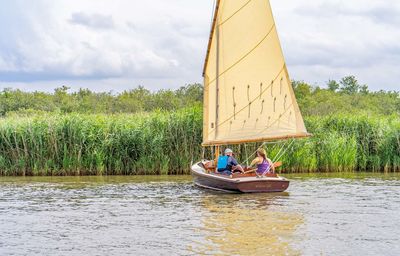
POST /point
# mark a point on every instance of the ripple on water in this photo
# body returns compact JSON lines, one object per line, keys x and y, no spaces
{"x":165,"y":216}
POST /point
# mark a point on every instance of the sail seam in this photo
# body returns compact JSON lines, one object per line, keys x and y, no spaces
{"x":241,"y":8}
{"x":245,"y":56}
{"x":225,"y":121}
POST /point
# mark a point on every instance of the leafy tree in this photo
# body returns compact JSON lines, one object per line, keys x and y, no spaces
{"x":349,"y":85}
{"x":347,"y":96}
{"x":333,"y":85}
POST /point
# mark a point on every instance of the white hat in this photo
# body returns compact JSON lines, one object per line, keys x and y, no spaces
{"x":228,"y":150}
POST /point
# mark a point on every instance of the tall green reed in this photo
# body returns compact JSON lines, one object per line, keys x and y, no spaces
{"x":167,"y":142}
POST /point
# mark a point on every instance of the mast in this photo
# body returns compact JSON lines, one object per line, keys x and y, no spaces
{"x":214,"y":30}
{"x":217,"y":92}
{"x":217,"y":85}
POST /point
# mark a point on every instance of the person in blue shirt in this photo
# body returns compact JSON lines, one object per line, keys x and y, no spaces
{"x":227,"y":164}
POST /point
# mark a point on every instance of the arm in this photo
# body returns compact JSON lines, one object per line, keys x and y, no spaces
{"x":235,"y":165}
{"x":254,"y":162}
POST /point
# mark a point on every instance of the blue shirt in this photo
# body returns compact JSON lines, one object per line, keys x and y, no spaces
{"x":231,"y":162}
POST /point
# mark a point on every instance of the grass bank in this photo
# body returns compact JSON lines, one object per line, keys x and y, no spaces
{"x":166,"y":143}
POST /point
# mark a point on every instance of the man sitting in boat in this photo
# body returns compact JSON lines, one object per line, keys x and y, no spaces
{"x":227,"y":164}
{"x":264,"y":164}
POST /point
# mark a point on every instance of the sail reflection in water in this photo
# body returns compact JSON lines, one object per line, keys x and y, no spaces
{"x":247,"y":225}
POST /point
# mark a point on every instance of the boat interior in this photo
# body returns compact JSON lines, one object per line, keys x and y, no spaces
{"x":208,"y":167}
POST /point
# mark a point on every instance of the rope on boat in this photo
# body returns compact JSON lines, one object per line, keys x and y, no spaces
{"x":262,"y":145}
{"x":278,"y":157}
{"x":247,"y":155}
{"x":280,"y":154}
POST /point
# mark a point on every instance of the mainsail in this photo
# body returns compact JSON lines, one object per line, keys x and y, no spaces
{"x":248,"y":95}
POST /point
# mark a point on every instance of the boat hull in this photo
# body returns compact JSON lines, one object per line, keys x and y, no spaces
{"x":239,"y":184}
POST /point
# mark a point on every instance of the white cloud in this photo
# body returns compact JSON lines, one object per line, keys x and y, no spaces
{"x":126,"y":40}
{"x":330,"y":39}
{"x":160,"y":43}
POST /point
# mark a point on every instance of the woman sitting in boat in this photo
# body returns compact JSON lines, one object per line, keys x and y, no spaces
{"x":264,"y":164}
{"x":227,"y":164}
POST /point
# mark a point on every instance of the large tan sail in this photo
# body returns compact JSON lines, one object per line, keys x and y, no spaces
{"x":248,"y":94}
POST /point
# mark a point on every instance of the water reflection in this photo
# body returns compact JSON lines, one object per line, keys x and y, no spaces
{"x":247,"y":225}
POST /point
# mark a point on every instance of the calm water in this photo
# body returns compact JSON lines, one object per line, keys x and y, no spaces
{"x":319,"y":215}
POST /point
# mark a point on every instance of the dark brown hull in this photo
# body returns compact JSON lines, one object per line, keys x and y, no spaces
{"x":241,"y":184}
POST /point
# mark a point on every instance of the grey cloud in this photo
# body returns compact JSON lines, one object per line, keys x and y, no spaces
{"x":164,"y":44}
{"x":337,"y":57}
{"x":384,"y":15}
{"x":131,"y":25}
{"x":96,"y":21}
{"x":186,"y":28}
{"x":380,"y":14}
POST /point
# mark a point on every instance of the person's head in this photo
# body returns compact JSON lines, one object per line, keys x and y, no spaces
{"x":228,"y":152}
{"x":261,"y":153}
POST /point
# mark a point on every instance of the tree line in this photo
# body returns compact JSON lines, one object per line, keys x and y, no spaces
{"x":344,"y":96}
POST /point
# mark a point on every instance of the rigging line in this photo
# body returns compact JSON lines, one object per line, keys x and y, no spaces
{"x":245,"y":149}
{"x":247,"y":160}
{"x":245,"y":56}
{"x":265,"y":143}
{"x":279,"y":152}
{"x":241,"y":8}
{"x":284,"y":152}
{"x":277,"y":159}
{"x":261,"y":146}
{"x":229,"y":118}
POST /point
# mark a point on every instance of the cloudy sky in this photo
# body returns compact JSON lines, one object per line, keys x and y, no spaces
{"x":115,"y":45}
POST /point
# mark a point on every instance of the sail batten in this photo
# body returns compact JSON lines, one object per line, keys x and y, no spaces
{"x":248,"y":94}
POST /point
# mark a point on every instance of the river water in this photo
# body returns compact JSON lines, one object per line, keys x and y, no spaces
{"x":339,"y":214}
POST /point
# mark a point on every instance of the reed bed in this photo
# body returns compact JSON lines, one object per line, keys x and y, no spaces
{"x":167,"y":142}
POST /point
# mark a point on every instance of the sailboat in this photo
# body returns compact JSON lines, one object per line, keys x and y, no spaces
{"x":248,"y":96}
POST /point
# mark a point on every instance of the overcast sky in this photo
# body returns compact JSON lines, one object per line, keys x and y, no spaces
{"x":115,"y":45}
